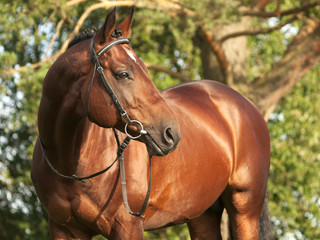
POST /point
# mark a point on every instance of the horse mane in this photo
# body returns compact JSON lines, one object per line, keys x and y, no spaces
{"x":86,"y":34}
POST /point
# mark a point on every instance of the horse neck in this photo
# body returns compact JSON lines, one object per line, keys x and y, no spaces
{"x":61,"y":117}
{"x":69,"y":137}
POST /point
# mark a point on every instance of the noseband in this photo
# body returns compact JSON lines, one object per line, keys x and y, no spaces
{"x":121,"y":147}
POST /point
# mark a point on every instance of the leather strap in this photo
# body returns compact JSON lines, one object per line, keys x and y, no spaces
{"x":95,"y":59}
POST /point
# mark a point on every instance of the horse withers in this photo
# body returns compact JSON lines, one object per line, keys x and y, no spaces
{"x":205,"y":147}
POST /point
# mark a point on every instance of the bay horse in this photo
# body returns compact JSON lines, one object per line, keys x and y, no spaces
{"x":208,"y":146}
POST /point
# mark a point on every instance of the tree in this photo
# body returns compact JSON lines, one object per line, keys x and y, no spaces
{"x":260,"y":48}
{"x":295,"y":129}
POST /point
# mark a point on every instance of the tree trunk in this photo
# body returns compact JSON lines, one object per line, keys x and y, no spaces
{"x":302,"y":54}
{"x":229,"y":57}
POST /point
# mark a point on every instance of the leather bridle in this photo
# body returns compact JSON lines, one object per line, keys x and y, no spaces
{"x":121,"y":147}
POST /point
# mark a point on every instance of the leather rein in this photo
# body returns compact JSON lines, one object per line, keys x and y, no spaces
{"x":121,"y":147}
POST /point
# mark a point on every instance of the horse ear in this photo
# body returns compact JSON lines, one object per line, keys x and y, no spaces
{"x":125,"y":26}
{"x":107,"y":28}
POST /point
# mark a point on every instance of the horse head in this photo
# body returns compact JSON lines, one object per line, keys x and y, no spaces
{"x":131,"y":87}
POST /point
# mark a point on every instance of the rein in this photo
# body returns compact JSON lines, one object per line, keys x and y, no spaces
{"x":121,"y":147}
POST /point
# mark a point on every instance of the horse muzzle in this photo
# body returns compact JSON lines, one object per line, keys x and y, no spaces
{"x":162,"y":142}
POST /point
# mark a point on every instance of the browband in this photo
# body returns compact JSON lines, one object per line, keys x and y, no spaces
{"x":108,"y":46}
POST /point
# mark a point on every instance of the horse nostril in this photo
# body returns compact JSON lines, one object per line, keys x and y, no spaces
{"x":168,"y":135}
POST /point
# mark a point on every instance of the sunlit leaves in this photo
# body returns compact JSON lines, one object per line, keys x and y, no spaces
{"x":294,"y":177}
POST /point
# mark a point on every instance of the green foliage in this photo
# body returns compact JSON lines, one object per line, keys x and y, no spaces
{"x":21,"y":215}
{"x":295,"y":134}
{"x":222,"y":11}
{"x":179,"y":232}
{"x":295,"y":164}
{"x":161,"y":40}
{"x":263,"y":53}
{"x":22,"y":41}
{"x":267,"y":49}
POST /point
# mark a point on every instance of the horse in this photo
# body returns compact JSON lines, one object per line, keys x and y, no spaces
{"x":205,"y":147}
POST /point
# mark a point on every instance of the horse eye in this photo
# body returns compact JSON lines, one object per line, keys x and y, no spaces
{"x":123,"y":75}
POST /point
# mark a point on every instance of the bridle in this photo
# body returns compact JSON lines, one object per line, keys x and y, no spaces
{"x":121,"y":147}
{"x":97,"y":66}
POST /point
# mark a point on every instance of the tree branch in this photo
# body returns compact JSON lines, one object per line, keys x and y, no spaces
{"x":158,"y":68}
{"x":261,"y":4}
{"x":74,"y":2}
{"x":258,"y":31}
{"x":302,"y":54}
{"x":34,"y":65}
{"x":278,"y":8}
{"x":216,"y":48}
{"x":163,"y":5}
{"x":281,"y":13}
{"x":71,"y":36}
{"x":56,"y":34}
{"x":81,"y":21}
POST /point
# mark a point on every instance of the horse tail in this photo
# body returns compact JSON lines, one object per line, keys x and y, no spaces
{"x":265,"y":226}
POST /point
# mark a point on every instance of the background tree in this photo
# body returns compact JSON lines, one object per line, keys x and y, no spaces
{"x":294,"y":177}
{"x":260,"y":48}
